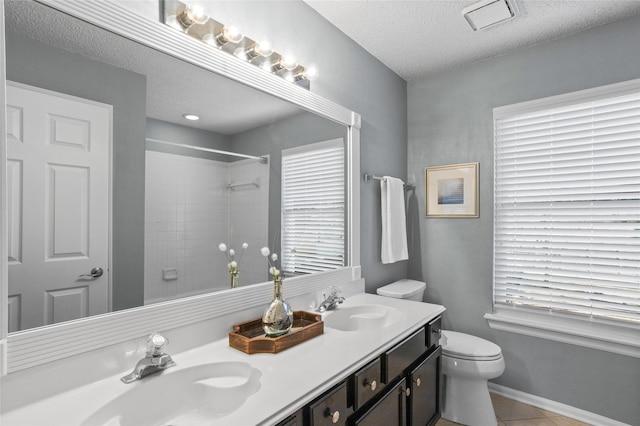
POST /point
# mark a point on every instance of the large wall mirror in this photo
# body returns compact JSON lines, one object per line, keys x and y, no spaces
{"x":118,"y":203}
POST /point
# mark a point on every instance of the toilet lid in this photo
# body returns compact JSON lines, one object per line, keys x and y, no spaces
{"x":466,"y":346}
{"x":402,"y":289}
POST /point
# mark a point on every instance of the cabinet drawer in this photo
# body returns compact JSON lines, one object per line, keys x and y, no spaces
{"x":434,"y":332}
{"x":331,"y":408}
{"x":364,"y":384}
{"x":395,"y":360}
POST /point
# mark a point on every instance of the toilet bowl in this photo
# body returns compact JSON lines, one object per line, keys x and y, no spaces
{"x":468,"y":362}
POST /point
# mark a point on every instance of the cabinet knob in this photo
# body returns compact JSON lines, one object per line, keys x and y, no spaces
{"x":418,"y":382}
{"x":335,"y":416}
{"x":370,"y":384}
{"x":406,"y":392}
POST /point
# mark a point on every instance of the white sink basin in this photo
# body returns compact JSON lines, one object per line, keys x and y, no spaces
{"x":191,"y":396}
{"x":363,"y":317}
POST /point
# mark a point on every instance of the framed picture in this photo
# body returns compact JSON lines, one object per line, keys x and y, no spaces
{"x":452,"y":191}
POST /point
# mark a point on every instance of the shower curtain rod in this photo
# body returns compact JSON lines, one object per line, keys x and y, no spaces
{"x":368,"y":177}
{"x":263,"y":160}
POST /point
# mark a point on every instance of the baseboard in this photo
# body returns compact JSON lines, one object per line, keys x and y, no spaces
{"x":556,"y":407}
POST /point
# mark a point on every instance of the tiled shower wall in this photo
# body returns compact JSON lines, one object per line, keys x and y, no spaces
{"x":189,"y":211}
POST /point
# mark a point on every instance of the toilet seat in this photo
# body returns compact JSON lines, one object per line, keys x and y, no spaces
{"x":467,"y":347}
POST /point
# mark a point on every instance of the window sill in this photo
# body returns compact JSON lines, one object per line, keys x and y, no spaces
{"x":605,"y":337}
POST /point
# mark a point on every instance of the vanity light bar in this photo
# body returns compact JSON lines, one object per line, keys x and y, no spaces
{"x":193,"y":19}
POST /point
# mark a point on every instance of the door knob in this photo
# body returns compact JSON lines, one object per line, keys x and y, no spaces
{"x":95,"y":273}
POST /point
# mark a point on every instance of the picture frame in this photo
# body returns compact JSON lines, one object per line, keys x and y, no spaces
{"x":452,"y":190}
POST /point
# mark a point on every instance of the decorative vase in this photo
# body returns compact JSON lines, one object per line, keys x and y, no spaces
{"x":278,"y":318}
{"x":235,"y":278}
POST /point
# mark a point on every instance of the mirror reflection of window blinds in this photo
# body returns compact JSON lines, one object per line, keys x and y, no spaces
{"x":313,"y":207}
{"x":567,"y":205}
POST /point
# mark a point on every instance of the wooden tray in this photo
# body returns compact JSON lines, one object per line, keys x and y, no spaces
{"x":249,"y":337}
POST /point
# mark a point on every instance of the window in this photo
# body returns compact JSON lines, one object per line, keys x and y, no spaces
{"x":313,"y":207}
{"x":567,"y":217}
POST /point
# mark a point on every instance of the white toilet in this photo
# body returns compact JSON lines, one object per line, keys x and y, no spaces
{"x":467,"y":363}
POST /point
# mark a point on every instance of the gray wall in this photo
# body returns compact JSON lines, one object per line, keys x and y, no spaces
{"x":37,"y":64}
{"x":450,"y":121}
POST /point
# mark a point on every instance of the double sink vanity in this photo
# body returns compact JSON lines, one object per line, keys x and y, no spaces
{"x":377,"y":363}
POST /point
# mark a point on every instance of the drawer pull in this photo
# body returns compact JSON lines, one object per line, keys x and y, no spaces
{"x":406,"y":391}
{"x":335,"y":416}
{"x":370,"y":384}
{"x":418,"y":382}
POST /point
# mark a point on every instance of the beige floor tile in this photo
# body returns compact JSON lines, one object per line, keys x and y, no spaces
{"x":530,"y":422}
{"x":508,"y":409}
{"x":444,"y":422}
{"x":549,"y":413}
{"x":566,"y":421}
{"x":515,"y":413}
{"x":495,"y":398}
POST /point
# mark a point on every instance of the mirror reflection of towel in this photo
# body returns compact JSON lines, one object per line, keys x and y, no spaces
{"x":394,"y":225}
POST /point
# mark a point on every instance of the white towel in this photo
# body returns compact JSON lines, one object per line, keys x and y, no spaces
{"x":394,"y":223}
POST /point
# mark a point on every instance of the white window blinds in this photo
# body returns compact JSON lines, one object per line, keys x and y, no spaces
{"x":313,"y":207}
{"x":567,"y":205}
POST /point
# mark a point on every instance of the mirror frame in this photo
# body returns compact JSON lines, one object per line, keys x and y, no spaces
{"x":23,"y":349}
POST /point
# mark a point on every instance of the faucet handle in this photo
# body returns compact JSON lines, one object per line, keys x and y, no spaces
{"x":156,"y":343}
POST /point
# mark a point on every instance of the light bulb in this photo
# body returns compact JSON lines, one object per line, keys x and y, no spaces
{"x":193,"y":13}
{"x":286,"y":61}
{"x":262,"y":48}
{"x":311,"y":72}
{"x":230,"y":33}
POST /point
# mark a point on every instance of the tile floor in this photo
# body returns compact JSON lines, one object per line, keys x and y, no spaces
{"x":514,"y":413}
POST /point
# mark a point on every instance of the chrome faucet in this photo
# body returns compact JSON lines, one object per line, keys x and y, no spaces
{"x":331,"y":302}
{"x":155,"y":360}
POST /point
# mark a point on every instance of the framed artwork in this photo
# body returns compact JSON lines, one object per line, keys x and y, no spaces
{"x":452,"y":191}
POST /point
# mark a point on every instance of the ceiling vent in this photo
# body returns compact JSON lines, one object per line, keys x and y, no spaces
{"x":487,"y":13}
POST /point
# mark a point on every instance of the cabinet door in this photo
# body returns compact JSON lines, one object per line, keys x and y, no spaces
{"x":424,"y":402}
{"x":389,"y":410}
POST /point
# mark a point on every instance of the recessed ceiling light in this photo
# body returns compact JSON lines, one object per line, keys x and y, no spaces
{"x":191,"y":117}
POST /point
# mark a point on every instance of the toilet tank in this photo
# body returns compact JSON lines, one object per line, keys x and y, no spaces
{"x":404,"y":289}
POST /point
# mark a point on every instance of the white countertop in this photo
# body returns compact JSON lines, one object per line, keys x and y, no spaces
{"x":288,"y":379}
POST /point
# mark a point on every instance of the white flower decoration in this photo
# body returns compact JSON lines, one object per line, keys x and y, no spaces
{"x":222,"y":247}
{"x":265,"y":251}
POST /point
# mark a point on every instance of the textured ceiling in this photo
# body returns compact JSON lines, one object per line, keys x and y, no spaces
{"x":415,"y":38}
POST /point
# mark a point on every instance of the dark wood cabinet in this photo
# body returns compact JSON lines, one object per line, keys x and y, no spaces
{"x":330,"y":409}
{"x":293,"y":420}
{"x":365,"y":384}
{"x":400,"y":387}
{"x":388,"y":410}
{"x":424,"y":381}
{"x":398,"y":358}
